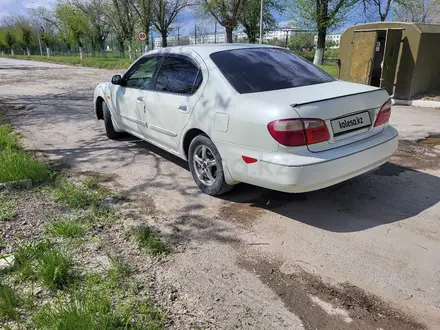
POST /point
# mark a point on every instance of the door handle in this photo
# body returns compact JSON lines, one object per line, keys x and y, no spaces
{"x":184,"y":108}
{"x":140,"y":99}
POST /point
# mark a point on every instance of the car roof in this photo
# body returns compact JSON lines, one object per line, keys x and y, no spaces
{"x":204,"y":50}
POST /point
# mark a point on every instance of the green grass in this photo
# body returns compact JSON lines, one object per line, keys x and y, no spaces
{"x":94,"y":62}
{"x":10,"y":301}
{"x":150,"y":241}
{"x":330,"y":68}
{"x":7,"y":211}
{"x":79,"y":196}
{"x":43,"y":261}
{"x":66,"y":227}
{"x":118,"y":270}
{"x":90,"y":305}
{"x":16,"y":164}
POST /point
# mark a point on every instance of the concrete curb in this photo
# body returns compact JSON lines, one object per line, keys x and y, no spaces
{"x":417,"y":103}
{"x":26,"y":183}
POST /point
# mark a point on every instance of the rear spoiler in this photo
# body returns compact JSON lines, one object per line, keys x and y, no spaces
{"x":336,"y":97}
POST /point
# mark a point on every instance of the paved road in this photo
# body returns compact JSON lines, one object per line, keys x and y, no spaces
{"x":379,"y":232}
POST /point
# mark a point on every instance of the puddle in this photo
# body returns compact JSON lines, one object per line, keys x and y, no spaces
{"x":431,"y":140}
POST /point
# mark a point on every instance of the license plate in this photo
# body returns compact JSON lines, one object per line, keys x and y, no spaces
{"x":351,"y":123}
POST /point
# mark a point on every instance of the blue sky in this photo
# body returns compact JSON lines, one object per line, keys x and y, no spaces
{"x":186,"y":21}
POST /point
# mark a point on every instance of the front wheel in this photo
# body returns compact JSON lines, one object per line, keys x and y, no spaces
{"x":206,"y":166}
{"x":108,"y":124}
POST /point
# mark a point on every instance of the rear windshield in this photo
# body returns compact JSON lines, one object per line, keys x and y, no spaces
{"x":253,"y":70}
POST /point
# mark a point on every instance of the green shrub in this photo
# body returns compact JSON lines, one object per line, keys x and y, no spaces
{"x":150,"y":241}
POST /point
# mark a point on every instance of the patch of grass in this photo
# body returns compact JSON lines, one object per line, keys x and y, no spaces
{"x":79,"y":196}
{"x":330,"y":68}
{"x":7,"y":211}
{"x":44,"y":262}
{"x":90,"y":305}
{"x":94,"y":62}
{"x":16,"y":164}
{"x":150,"y":241}
{"x":118,"y":270}
{"x":10,"y":301}
{"x":63,"y":227}
{"x":8,"y":139}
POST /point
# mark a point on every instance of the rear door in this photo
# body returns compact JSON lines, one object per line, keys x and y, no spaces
{"x":364,"y":43}
{"x":392,"y":48}
{"x":178,"y":87}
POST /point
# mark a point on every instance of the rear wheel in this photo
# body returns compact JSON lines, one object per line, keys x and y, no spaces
{"x":206,"y":166}
{"x":108,"y":124}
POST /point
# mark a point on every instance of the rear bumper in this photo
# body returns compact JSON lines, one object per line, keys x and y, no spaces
{"x":317,"y":171}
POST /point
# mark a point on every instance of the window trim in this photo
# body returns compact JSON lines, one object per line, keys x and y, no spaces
{"x":182,"y":56}
{"x":136,"y":64}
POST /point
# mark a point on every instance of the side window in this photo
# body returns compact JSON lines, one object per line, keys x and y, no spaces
{"x":141,"y":75}
{"x":178,"y":75}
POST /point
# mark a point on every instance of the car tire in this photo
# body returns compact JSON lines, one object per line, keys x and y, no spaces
{"x":108,"y":124}
{"x":207,"y":170}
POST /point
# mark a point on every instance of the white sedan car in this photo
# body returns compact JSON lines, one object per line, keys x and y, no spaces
{"x":250,"y":113}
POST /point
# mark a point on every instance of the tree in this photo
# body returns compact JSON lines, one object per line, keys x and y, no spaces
{"x":301,"y":40}
{"x":417,"y":11}
{"x":26,"y":36}
{"x":164,"y":12}
{"x":99,"y":29}
{"x":72,"y":22}
{"x":49,"y":40}
{"x":121,"y":18}
{"x":227,"y":13}
{"x":376,"y":9}
{"x":143,"y":9}
{"x":23,"y":27}
{"x":10,"y":41}
{"x":321,"y":15}
{"x":250,"y":17}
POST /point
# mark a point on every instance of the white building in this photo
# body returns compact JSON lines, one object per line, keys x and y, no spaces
{"x":334,"y":37}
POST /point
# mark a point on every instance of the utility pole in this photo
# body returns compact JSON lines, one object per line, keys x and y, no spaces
{"x":215,"y":32}
{"x":178,"y":35}
{"x":195,"y":33}
{"x":261,"y":22}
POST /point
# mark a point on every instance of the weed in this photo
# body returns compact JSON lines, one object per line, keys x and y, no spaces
{"x":118,"y":271}
{"x":7,"y":211}
{"x":150,"y":241}
{"x":9,"y":302}
{"x":9,"y":140}
{"x":19,"y":165}
{"x":90,"y":305}
{"x":91,"y":182}
{"x":63,"y":227}
{"x":46,"y":263}
{"x":81,"y":195}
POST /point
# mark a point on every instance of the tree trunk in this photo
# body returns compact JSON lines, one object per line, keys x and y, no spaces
{"x":12,"y":52}
{"x":228,"y":31}
{"x":320,"y":45}
{"x":130,"y":55}
{"x":28,"y":51}
{"x":164,"y":39}
{"x":121,"y":49}
{"x":3,"y":52}
{"x":48,"y":51}
{"x":81,"y":53}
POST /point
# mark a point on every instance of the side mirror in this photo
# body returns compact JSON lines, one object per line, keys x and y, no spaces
{"x":116,"y":80}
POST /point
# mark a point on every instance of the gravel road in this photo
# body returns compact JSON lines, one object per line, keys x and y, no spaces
{"x":258,"y":259}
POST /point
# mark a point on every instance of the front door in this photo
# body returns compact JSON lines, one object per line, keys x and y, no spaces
{"x":392,"y":48}
{"x":364,"y":45}
{"x":129,"y":98}
{"x":170,"y":101}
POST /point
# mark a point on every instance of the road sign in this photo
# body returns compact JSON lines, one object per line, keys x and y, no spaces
{"x":142,"y":36}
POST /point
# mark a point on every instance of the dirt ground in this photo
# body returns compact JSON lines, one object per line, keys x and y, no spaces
{"x":360,"y":255}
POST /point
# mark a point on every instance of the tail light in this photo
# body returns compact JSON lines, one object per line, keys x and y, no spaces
{"x":384,"y":113}
{"x":299,"y":132}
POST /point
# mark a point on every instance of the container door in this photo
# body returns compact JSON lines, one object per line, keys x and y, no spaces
{"x":364,"y":43}
{"x":392,"y":47}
